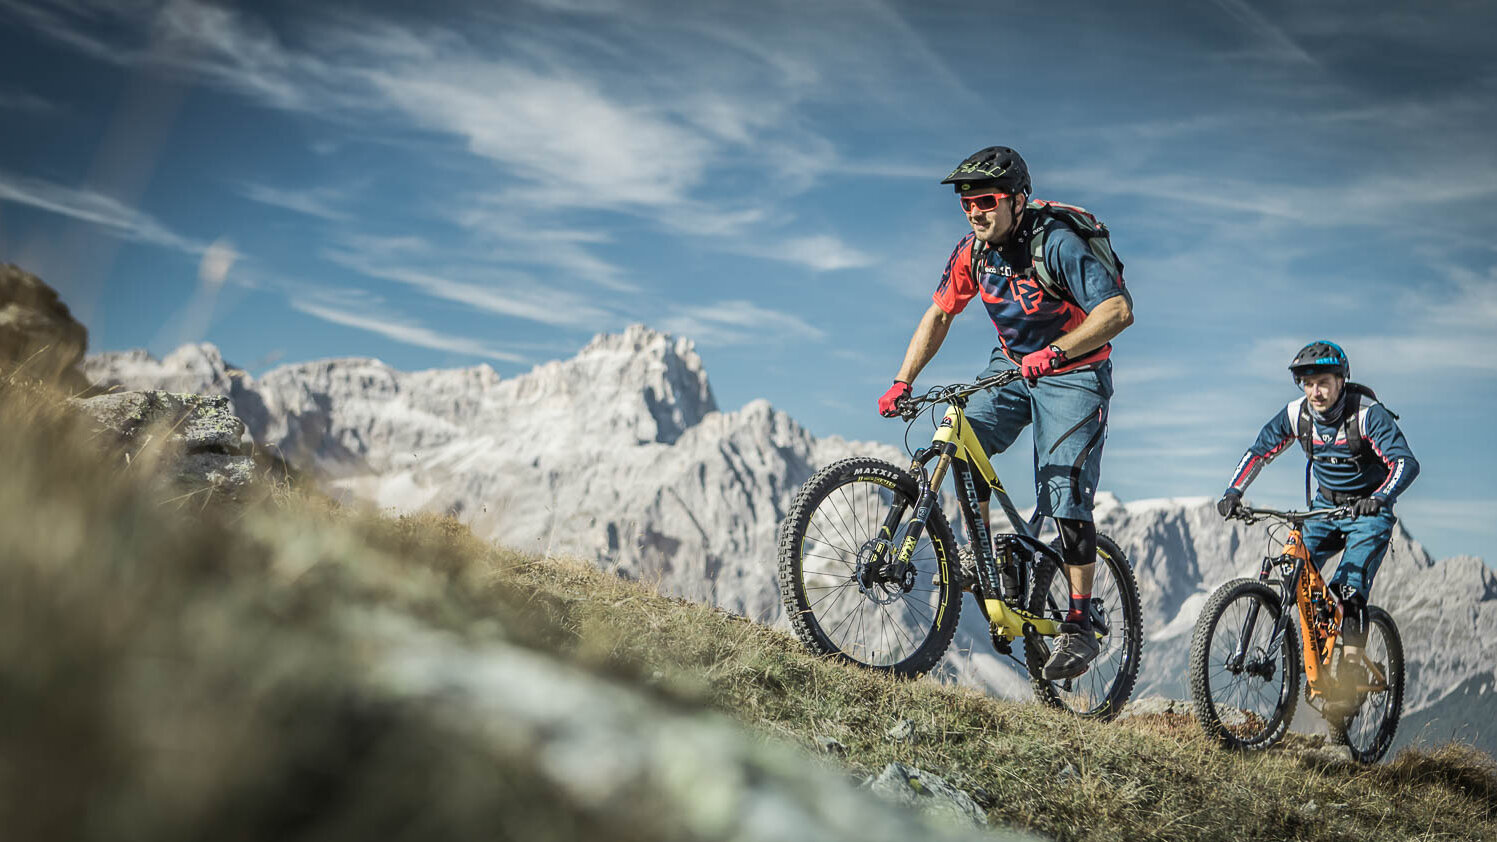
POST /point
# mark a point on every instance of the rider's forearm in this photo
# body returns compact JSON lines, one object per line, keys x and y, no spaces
{"x":925,"y":343}
{"x":1105,"y":321}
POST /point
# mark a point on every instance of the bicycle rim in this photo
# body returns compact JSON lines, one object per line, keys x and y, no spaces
{"x":837,"y":607}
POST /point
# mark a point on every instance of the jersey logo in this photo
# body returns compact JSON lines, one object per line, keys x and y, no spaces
{"x":1027,"y":293}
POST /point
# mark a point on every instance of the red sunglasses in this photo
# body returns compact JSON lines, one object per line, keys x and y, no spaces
{"x":982,"y":202}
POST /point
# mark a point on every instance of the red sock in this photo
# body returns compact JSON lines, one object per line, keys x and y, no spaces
{"x":1080,"y":613}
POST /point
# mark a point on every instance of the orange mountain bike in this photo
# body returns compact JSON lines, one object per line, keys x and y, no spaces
{"x":1245,"y":659}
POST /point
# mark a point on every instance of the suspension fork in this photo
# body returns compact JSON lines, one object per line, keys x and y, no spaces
{"x":1239,"y":655}
{"x":924,"y":502}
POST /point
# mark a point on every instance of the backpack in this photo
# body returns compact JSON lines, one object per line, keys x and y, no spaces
{"x":1351,"y":427}
{"x":1081,"y":221}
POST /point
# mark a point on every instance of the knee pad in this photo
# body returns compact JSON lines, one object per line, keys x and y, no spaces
{"x":1078,"y":541}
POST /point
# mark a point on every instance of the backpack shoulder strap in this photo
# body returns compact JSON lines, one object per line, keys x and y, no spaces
{"x":1040,"y":213}
{"x":979,"y":250}
{"x":1304,"y":427}
{"x":1351,"y":423}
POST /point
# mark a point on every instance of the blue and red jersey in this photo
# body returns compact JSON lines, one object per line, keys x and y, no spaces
{"x":1391,"y":468}
{"x":1026,"y":316}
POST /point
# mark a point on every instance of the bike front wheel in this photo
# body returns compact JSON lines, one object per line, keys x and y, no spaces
{"x":843,"y":586}
{"x":1104,"y":688}
{"x":1368,"y":732}
{"x":1244,"y":686}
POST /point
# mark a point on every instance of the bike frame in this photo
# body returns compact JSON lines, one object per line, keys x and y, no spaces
{"x":1320,"y":612}
{"x":955,"y":448}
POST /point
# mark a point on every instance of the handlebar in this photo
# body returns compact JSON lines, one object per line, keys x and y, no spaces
{"x":911,"y":406}
{"x":1251,"y":514}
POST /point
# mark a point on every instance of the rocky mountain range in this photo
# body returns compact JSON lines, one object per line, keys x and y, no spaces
{"x":622,"y":455}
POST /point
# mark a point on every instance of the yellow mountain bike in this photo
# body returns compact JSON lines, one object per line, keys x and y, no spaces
{"x":870,"y":572}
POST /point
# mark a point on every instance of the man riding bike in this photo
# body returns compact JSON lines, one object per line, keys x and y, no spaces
{"x":1058,"y":337}
{"x":1361,"y":461}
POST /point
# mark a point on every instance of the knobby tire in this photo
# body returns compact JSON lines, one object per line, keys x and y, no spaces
{"x":832,"y":520}
{"x":1218,"y":695}
{"x":1105,"y":687}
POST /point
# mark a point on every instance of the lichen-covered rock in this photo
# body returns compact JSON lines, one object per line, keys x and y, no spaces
{"x":38,"y":335}
{"x":929,"y":793}
{"x":1156,"y":706}
{"x":199,"y":437}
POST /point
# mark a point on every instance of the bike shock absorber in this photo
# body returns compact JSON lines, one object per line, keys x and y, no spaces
{"x":1006,"y":548}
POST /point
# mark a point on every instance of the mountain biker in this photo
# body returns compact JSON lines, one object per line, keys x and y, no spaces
{"x":1061,"y":344}
{"x":1360,"y":460}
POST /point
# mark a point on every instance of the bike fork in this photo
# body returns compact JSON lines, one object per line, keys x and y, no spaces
{"x":923,"y":505}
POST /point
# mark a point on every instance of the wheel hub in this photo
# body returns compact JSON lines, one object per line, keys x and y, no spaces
{"x":879,"y":579}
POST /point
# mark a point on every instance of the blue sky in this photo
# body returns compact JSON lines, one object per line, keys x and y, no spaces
{"x":496,"y":182}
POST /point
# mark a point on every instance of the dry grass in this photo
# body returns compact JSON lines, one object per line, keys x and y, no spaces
{"x":171,"y":672}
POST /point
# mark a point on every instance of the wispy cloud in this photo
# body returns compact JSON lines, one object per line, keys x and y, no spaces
{"x":638,"y":125}
{"x":318,"y":202}
{"x":20,"y":101}
{"x":366,"y":317}
{"x":1274,"y":38}
{"x":739,"y":322}
{"x":95,"y":208}
{"x":516,"y":296}
{"x":822,"y":253}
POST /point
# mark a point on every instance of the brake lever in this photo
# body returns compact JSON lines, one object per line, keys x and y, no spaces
{"x":908,"y":409}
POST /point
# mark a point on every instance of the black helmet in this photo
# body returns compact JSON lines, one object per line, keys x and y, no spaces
{"x":1320,"y":357}
{"x":997,"y":166}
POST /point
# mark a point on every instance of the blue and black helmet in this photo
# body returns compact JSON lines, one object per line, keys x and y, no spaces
{"x":1320,"y":357}
{"x":998,"y":166}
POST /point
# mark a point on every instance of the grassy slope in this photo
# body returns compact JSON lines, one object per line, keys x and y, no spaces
{"x":177,"y":664}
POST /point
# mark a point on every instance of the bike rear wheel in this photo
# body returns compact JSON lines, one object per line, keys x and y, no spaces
{"x":843,"y":603}
{"x":1244,"y":694}
{"x":1369,"y":731}
{"x":1104,"y":688}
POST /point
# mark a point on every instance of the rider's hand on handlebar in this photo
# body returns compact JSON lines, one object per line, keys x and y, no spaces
{"x":1366,"y":507}
{"x":1230,"y":504}
{"x":1042,"y":362}
{"x":887,"y":404}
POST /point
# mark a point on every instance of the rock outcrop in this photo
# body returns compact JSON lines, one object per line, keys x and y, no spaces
{"x":38,"y":335}
{"x":194,"y":441}
{"x":619,"y":454}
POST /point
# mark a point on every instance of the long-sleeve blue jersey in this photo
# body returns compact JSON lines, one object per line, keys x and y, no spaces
{"x":1386,"y":472}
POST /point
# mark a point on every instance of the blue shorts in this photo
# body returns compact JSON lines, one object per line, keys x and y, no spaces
{"x":1069,"y":413}
{"x":1365,"y":540}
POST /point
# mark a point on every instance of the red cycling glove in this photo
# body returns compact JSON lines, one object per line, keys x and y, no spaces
{"x":886,"y":404}
{"x":1042,"y":362}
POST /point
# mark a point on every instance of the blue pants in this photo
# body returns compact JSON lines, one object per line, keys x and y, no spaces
{"x":1365,"y":540}
{"x":1069,"y":413}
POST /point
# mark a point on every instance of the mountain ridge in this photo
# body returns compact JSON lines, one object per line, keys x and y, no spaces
{"x":621,"y":454}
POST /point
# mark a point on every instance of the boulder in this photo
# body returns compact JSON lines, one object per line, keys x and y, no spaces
{"x":38,"y":335}
{"x":197,"y":437}
{"x":928,"y":793}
